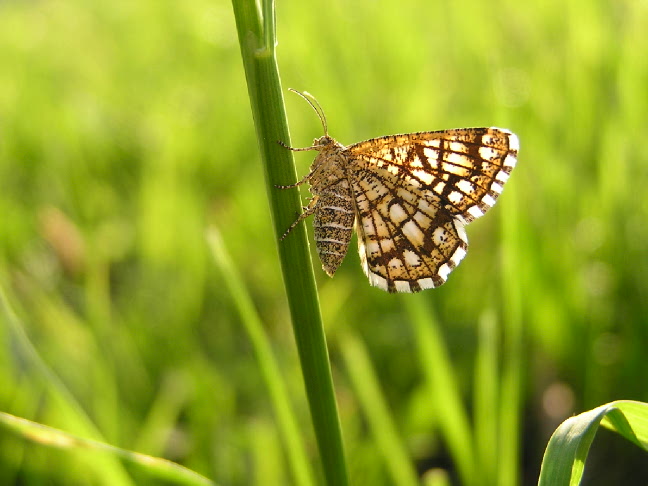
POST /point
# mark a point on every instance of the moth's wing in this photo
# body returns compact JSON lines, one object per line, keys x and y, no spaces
{"x":465,"y":169}
{"x":407,"y":240}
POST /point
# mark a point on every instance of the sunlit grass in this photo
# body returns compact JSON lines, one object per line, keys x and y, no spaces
{"x":126,"y":129}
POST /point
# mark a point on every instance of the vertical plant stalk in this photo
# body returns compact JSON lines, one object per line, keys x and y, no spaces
{"x":256,"y":32}
{"x":512,"y":348}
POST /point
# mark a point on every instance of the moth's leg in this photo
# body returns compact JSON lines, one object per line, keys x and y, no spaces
{"x":308,"y":210}
{"x":307,"y":176}
{"x":298,"y":183}
{"x":303,"y":149}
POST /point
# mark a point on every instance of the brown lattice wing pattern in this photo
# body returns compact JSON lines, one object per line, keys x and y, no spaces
{"x":407,"y":242}
{"x":466,"y":168}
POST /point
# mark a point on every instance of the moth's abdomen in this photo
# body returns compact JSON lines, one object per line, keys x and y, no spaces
{"x":333,"y":225}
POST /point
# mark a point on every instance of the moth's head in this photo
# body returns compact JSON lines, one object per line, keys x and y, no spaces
{"x":323,"y":141}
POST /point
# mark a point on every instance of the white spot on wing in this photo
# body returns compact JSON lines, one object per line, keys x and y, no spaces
{"x":386,"y":245}
{"x":432,"y":155}
{"x":413,"y":233}
{"x":465,"y":186}
{"x":425,"y":207}
{"x":397,"y":213}
{"x":376,"y":280}
{"x":373,"y":248}
{"x":454,"y":158}
{"x":455,"y":197}
{"x":422,"y":219}
{"x":502,"y":176}
{"x":392,"y":169}
{"x":411,"y":258}
{"x":402,"y":286}
{"x":406,"y":195}
{"x":510,"y":161}
{"x":475,"y":212}
{"x":439,"y":236}
{"x":487,"y":153}
{"x":395,"y":264}
{"x":438,"y":188}
{"x":425,"y":177}
{"x":458,"y":255}
{"x":461,"y":231}
{"x":458,"y":147}
{"x":416,"y":162}
{"x":514,"y":142}
{"x":426,"y":283}
{"x":444,"y":270}
{"x":488,"y":199}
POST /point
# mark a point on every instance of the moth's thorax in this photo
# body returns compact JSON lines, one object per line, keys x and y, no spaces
{"x":330,"y":164}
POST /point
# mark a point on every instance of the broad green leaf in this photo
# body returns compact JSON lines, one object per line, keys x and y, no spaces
{"x":564,"y":459}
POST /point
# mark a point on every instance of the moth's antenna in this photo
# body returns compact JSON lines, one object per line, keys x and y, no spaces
{"x":311,"y":100}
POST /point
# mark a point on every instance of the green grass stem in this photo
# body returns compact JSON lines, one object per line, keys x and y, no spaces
{"x":264,"y":87}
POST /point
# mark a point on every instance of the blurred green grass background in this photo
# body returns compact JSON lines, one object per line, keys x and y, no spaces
{"x":125,"y":132}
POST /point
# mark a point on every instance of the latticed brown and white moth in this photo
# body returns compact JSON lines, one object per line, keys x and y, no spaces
{"x":409,"y":197}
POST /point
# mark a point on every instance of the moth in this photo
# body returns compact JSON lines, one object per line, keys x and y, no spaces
{"x":407,"y":196}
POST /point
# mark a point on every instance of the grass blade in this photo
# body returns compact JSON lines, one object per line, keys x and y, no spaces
{"x":486,"y":386}
{"x":510,"y":402}
{"x":268,"y":110}
{"x":564,"y":459}
{"x":52,"y":437}
{"x":373,"y":403}
{"x":267,"y":364}
{"x":110,"y":470}
{"x":444,"y":389}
